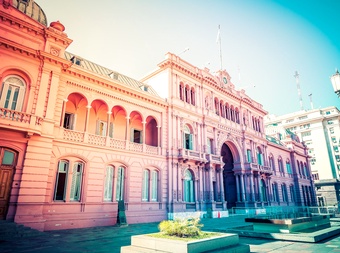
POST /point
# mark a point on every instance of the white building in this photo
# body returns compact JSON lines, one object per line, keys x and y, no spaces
{"x":319,"y":129}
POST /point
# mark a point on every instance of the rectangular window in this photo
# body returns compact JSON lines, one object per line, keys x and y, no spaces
{"x":136,"y":136}
{"x":101,"y":128}
{"x":68,"y":121}
{"x":209,"y":146}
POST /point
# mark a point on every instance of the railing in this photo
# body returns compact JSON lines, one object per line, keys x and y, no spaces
{"x":137,"y":147}
{"x":72,"y":135}
{"x":118,"y":144}
{"x":97,"y":140}
{"x":285,"y":211}
{"x":19,"y":116}
{"x":151,"y":150}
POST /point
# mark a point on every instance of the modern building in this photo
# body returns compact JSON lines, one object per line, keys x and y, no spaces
{"x":319,"y":129}
{"x":81,"y":143}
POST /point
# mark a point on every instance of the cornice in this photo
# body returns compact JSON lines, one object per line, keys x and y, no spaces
{"x":121,"y":90}
{"x":16,"y":47}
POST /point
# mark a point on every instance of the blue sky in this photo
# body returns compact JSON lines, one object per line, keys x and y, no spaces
{"x":263,"y":42}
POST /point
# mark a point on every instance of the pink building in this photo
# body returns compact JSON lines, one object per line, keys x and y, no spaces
{"x":76,"y":138}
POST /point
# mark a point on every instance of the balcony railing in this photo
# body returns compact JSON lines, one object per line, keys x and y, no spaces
{"x":97,"y":140}
{"x":21,"y":120}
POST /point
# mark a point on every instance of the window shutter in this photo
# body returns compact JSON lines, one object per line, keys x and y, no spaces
{"x":76,"y":182}
{"x":154,"y":190}
{"x":145,"y":191}
{"x":120,"y":184}
{"x":111,"y":130}
{"x":108,"y":183}
{"x":190,"y":142}
{"x":97,"y":127}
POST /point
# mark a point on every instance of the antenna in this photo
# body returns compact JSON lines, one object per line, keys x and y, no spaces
{"x":186,"y":49}
{"x":296,"y":75}
{"x":311,"y":101}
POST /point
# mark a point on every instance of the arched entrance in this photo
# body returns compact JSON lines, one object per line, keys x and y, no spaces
{"x":7,"y":165}
{"x":229,"y":180}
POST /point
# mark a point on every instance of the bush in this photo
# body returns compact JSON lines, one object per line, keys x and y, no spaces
{"x":181,"y":227}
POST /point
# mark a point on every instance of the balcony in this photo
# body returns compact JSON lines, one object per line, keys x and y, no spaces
{"x":187,"y":154}
{"x":20,"y":121}
{"x":260,"y":168}
{"x":97,"y":140}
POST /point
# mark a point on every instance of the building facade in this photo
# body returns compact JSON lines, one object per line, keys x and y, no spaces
{"x":77,"y":140}
{"x":319,"y":129}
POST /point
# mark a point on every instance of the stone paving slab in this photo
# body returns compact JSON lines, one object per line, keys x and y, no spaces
{"x":110,"y":239}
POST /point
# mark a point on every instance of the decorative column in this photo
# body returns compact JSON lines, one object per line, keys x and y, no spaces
{"x":87,"y":119}
{"x":143,"y":139}
{"x":222,"y":184}
{"x":252,"y":192}
{"x":237,"y":187}
{"x":159,"y":140}
{"x":63,"y":109}
{"x":242,"y":188}
{"x":259,"y":187}
{"x":108,"y":128}
{"x":127,"y":132}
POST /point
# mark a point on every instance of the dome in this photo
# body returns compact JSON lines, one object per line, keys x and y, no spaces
{"x":31,"y":9}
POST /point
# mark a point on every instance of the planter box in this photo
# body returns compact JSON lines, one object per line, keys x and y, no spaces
{"x":221,"y":243}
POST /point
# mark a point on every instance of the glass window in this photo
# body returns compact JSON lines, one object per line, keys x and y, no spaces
{"x":249,"y":158}
{"x":8,"y":158}
{"x":77,"y":176}
{"x":120,"y":184}
{"x":187,"y":138}
{"x":12,"y":93}
{"x":61,"y":180}
{"x":145,"y":190}
{"x":154,"y":186}
{"x":189,"y":194}
{"x":108,"y":185}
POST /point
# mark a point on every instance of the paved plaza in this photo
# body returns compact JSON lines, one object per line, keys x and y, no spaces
{"x":110,"y":239}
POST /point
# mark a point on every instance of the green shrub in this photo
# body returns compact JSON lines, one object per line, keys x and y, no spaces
{"x":181,"y":227}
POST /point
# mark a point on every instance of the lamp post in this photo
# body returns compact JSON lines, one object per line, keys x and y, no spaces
{"x":335,"y":79}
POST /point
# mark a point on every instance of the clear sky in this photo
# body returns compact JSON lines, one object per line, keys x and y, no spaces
{"x":263,"y":42}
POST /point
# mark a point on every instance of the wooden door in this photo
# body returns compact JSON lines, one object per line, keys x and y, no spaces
{"x":7,"y":165}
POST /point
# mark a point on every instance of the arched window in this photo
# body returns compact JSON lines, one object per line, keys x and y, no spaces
{"x":69,"y":180}
{"x":217,"y":111}
{"x":120,"y":183}
{"x":181,"y":90}
{"x":227,"y":111}
{"x":108,"y":183}
{"x":292,"y":193}
{"x":271,"y":163}
{"x":188,"y":138}
{"x":276,"y":197}
{"x":284,"y":193}
{"x":222,"y":111}
{"x":289,"y":169}
{"x":187,"y":94}
{"x":259,"y":156}
{"x":150,"y":185}
{"x":192,"y":98}
{"x":280,"y":166}
{"x":146,"y":184}
{"x":12,"y":93}
{"x":189,"y":192}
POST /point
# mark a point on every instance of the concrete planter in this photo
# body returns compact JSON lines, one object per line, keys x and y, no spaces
{"x":221,"y":243}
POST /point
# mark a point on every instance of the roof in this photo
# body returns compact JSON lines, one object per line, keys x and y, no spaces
{"x":108,"y":73}
{"x":31,"y":9}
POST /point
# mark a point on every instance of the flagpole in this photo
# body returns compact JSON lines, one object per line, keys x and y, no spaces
{"x":220,"y":45}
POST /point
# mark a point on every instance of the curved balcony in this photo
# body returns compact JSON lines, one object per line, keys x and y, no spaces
{"x":20,"y":121}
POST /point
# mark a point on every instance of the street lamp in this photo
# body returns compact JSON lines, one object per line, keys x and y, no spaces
{"x":335,"y":79}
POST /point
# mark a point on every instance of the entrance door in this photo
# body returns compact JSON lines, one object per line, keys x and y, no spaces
{"x":7,"y":163}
